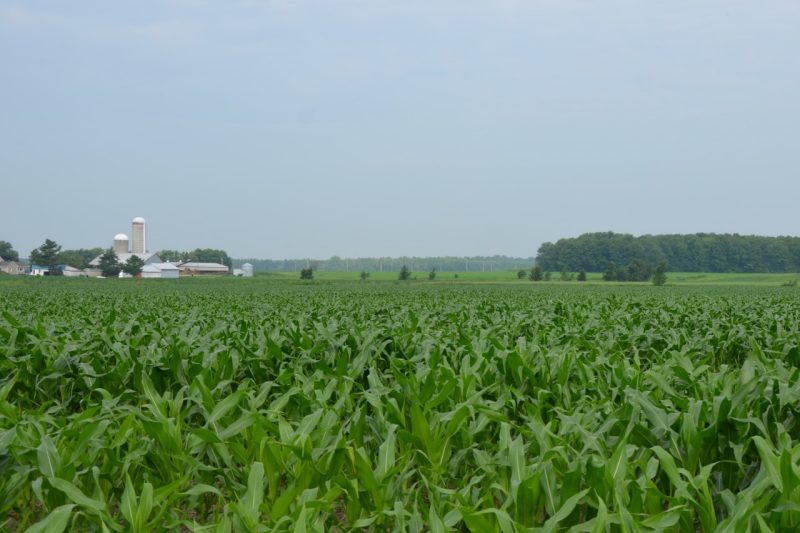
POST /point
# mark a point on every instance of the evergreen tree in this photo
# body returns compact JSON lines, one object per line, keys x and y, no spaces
{"x":582,"y":275}
{"x":536,"y":273}
{"x":109,"y":264}
{"x":405,"y":274}
{"x":307,"y":273}
{"x":133,"y":265}
{"x":432,"y":274}
{"x":46,"y":254}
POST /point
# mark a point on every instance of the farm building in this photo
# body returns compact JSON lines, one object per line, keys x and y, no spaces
{"x":160,"y":271}
{"x":44,"y":270}
{"x":11,"y":267}
{"x":191,"y":268}
{"x":147,"y":257}
{"x":72,"y":272}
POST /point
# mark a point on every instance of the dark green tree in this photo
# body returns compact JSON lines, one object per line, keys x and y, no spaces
{"x":548,"y":275}
{"x":46,"y":254}
{"x":521,"y":274}
{"x":566,"y":275}
{"x":536,"y":273}
{"x":660,"y":274}
{"x":133,"y":265}
{"x":405,"y":274}
{"x":611,"y":272}
{"x":208,"y":255}
{"x":8,"y":252}
{"x":364,"y":275}
{"x":432,"y":274}
{"x":307,"y":273}
{"x":582,"y":275}
{"x":109,"y":264}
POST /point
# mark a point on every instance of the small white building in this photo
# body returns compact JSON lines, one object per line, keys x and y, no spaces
{"x":160,"y":271}
{"x":247,"y":270}
{"x":72,"y":272}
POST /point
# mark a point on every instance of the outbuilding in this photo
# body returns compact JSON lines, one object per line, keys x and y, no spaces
{"x":191,"y":268}
{"x":160,"y":271}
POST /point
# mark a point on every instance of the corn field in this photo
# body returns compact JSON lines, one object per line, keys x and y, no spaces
{"x":272,"y":406}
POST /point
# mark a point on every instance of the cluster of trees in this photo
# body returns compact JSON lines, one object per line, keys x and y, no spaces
{"x":110,"y":265}
{"x":537,"y":273}
{"x":201,"y":255}
{"x":51,"y":254}
{"x":635,"y":271}
{"x":701,"y":252}
{"x":496,"y":263}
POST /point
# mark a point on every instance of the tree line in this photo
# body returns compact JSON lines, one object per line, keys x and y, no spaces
{"x":700,"y":252}
{"x":495,"y":263}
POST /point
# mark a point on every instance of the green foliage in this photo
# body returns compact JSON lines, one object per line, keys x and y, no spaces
{"x":364,"y":275}
{"x":249,"y":405}
{"x":566,"y":275}
{"x":701,"y":252}
{"x":432,"y":274}
{"x":202,"y":255}
{"x":133,"y":265}
{"x":660,"y":274}
{"x":307,"y":273}
{"x":521,"y":274}
{"x":582,"y":275}
{"x":405,"y":273}
{"x":7,"y":251}
{"x":536,"y":273}
{"x":46,"y":254}
{"x":109,"y":264}
{"x":635,"y":271}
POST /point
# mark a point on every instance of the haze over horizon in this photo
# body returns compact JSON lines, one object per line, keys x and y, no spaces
{"x":276,"y":129}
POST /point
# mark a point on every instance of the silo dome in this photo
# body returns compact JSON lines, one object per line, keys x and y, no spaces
{"x":138,"y":220}
{"x":120,"y":243}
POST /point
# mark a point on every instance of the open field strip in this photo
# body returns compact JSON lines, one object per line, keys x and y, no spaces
{"x":261,"y":405}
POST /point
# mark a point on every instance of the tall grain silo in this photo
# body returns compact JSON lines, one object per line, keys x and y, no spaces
{"x":120,"y":244}
{"x":139,"y":236}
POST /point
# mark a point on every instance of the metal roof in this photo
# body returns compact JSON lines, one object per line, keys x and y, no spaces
{"x":147,"y":257}
{"x":203,"y":266}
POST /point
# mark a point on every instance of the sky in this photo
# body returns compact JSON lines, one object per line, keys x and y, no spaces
{"x":282,"y":129}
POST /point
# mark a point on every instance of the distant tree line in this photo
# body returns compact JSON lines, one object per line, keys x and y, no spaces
{"x":496,"y":263}
{"x":701,"y":252}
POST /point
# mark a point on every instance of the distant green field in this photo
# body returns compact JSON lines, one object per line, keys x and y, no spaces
{"x":673,"y":278}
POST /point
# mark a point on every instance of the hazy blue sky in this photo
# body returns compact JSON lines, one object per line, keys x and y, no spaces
{"x":294,"y":129}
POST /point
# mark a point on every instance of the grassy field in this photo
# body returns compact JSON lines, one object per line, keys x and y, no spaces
{"x":271,"y":404}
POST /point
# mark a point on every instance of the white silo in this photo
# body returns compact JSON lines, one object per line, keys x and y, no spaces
{"x":139,"y":236}
{"x":247,"y":270}
{"x":120,"y":244}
